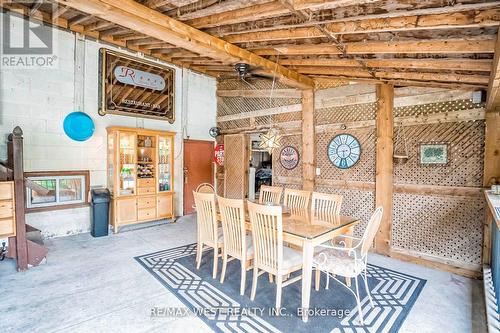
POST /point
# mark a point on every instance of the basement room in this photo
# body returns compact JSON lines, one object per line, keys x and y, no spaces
{"x":305,"y":166}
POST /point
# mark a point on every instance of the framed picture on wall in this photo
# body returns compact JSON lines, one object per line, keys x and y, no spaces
{"x":434,"y":154}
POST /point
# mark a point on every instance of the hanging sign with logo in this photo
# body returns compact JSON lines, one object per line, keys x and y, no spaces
{"x":289,"y":157}
{"x":219,"y":155}
{"x":135,"y":87}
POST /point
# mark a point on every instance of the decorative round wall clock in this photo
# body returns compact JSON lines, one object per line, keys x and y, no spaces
{"x":289,"y":157}
{"x":344,"y":151}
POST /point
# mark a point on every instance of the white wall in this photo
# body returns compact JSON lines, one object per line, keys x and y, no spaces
{"x":39,"y":99}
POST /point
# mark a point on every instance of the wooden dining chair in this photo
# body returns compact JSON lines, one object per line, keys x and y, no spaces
{"x":270,"y":255}
{"x":350,"y":261}
{"x":237,"y":244}
{"x":208,"y":232}
{"x":297,"y":199}
{"x":324,"y":206}
{"x":270,"y":194}
{"x":205,"y":188}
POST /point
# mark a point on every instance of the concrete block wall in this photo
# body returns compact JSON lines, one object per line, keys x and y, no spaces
{"x":38,"y":100}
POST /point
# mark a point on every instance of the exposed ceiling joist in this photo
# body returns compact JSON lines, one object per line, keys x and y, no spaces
{"x":468,"y":19}
{"x":410,"y":47}
{"x":135,"y":16}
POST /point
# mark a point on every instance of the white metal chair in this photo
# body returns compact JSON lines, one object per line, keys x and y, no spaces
{"x":208,"y":231}
{"x":350,"y":262}
{"x":270,"y":254}
{"x":270,"y":194}
{"x":237,"y":244}
{"x":205,"y":188}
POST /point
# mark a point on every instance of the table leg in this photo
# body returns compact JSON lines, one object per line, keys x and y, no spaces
{"x":307,"y":259}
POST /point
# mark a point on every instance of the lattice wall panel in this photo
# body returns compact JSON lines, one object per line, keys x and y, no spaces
{"x":347,"y":113}
{"x":364,"y":170}
{"x":235,"y":166}
{"x":278,"y":171}
{"x":357,"y":203}
{"x":426,"y":109}
{"x":325,"y":83}
{"x":236,"y":105}
{"x":232,"y":124}
{"x":447,"y":227}
{"x":466,"y":144}
{"x":237,"y":84}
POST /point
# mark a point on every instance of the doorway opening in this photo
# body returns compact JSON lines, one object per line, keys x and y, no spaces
{"x":260,"y":171}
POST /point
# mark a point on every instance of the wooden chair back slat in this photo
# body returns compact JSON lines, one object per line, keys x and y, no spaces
{"x":267,"y":232}
{"x":325,"y":206}
{"x":297,"y":200}
{"x":270,"y":194}
{"x":206,"y":218}
{"x":232,"y":213}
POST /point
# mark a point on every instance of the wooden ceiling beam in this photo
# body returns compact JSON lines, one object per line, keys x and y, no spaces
{"x":256,"y":12}
{"x":469,"y":19}
{"x":479,"y":80}
{"x":135,"y":16}
{"x":481,"y":65}
{"x":218,"y":7}
{"x":493,"y":93}
{"x":442,"y":46}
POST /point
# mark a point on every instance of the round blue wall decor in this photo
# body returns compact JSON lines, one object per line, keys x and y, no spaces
{"x":344,"y":151}
{"x":78,"y":126}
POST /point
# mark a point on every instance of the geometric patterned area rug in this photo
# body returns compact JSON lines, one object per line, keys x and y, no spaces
{"x":224,"y":310}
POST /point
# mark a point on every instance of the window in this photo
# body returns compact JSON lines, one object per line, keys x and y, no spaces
{"x":56,"y":189}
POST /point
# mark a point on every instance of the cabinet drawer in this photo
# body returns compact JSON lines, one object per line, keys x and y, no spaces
{"x":146,"y":214}
{"x":145,"y":182}
{"x":6,"y":209}
{"x":145,"y":190}
{"x":7,"y":227}
{"x":6,"y":190}
{"x":146,"y":202}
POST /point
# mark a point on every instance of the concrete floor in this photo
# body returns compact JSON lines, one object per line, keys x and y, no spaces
{"x":94,"y":284}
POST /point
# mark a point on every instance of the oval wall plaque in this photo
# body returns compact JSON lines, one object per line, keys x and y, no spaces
{"x":289,"y":157}
{"x":128,"y":75}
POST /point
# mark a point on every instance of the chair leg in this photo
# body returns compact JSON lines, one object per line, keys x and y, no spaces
{"x":279,"y":289}
{"x":270,"y":278}
{"x":368,"y":291}
{"x":254,"y":282}
{"x":216,"y":260}
{"x":199,"y":252}
{"x":358,"y":301}
{"x":224,"y":264}
{"x":243,"y":278}
{"x":348,"y":282}
{"x":327,"y":281}
{"x":317,"y":279}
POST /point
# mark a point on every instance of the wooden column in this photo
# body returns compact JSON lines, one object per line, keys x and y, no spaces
{"x":21,"y":244}
{"x":491,"y":170}
{"x":308,"y":138}
{"x":384,"y":165}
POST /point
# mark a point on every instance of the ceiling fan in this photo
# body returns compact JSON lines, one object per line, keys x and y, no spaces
{"x":245,"y":72}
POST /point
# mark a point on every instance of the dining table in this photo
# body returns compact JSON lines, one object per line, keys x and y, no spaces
{"x":305,"y":230}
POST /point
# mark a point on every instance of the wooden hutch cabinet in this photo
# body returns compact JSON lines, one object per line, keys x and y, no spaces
{"x":140,"y":175}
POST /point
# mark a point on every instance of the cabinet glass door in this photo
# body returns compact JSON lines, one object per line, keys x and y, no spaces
{"x":127,"y":163}
{"x":164,"y":163}
{"x":111,"y":162}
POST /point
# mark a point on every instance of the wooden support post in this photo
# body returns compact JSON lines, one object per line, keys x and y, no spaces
{"x":491,"y":171}
{"x":308,"y":138}
{"x":21,"y":244}
{"x":384,"y":165}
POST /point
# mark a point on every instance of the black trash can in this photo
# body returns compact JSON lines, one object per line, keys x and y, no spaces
{"x":99,"y":213}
